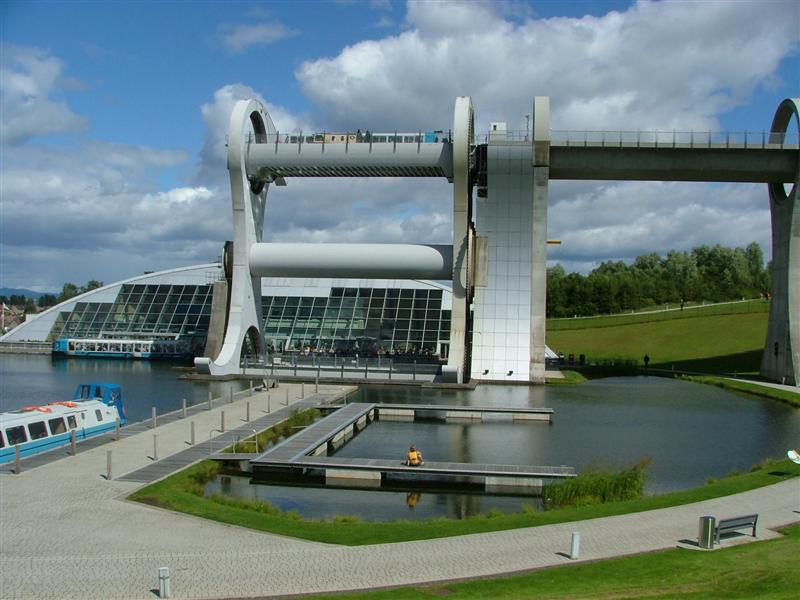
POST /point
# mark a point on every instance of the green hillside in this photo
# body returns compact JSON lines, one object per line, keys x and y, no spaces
{"x":722,"y":343}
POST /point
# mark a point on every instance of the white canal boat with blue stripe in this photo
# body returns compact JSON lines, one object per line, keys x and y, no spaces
{"x":94,"y":410}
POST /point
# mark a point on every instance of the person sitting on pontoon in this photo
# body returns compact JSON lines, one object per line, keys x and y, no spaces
{"x":414,"y":457}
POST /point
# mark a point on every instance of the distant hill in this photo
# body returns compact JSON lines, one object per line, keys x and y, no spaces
{"x":23,"y":292}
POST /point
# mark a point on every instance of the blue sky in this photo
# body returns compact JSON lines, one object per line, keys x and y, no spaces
{"x":114,"y":116}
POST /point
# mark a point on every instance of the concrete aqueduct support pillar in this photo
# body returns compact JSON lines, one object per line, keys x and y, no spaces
{"x":249,"y":123}
{"x":463,"y":142}
{"x":781,"y":360}
{"x":541,"y":182}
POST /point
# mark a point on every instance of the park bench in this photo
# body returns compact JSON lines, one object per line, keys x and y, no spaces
{"x":735,"y":524}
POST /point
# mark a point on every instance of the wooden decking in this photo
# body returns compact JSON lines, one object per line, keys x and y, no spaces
{"x":315,"y":435}
{"x":435,"y":468}
{"x":307,"y":452}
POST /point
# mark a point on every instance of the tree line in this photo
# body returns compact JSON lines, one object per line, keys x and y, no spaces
{"x":711,"y":274}
{"x":68,"y":290}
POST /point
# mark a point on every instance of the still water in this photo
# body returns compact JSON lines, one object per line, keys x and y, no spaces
{"x":37,"y":379}
{"x":689,"y":431}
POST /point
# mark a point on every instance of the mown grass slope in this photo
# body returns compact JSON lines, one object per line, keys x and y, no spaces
{"x":724,"y":343}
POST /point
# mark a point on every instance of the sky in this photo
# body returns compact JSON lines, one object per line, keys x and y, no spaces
{"x":113,"y":118}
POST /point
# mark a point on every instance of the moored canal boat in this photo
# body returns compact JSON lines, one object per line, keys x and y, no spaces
{"x":93,"y":410}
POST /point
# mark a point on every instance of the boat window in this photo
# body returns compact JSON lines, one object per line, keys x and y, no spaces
{"x":98,"y":414}
{"x":37,"y":430}
{"x":57,"y":426}
{"x":98,"y":391}
{"x":73,"y":423}
{"x":16,"y":435}
{"x":2,"y":440}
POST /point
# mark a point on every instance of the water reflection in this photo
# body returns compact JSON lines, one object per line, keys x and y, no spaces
{"x":37,"y":379}
{"x":319,"y":502}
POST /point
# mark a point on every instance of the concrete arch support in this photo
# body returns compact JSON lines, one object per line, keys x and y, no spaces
{"x":781,"y":360}
{"x":463,"y":143}
{"x":249,"y":123}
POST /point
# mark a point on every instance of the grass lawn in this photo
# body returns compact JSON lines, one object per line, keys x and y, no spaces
{"x":751,"y":389}
{"x":759,"y":570}
{"x":711,"y":344}
{"x":176,"y":493}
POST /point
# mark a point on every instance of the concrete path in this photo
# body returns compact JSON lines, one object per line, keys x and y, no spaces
{"x":778,"y":386}
{"x":66,"y":532}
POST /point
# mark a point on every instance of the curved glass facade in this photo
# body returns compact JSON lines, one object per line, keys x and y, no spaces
{"x":359,"y":320}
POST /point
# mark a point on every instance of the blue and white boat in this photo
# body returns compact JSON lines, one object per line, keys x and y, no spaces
{"x":152,"y":349}
{"x":93,"y":410}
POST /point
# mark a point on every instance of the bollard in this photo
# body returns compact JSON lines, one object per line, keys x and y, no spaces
{"x":391,"y":368}
{"x":155,"y":446}
{"x":230,"y":396}
{"x":183,"y":406}
{"x":17,"y":464}
{"x":287,"y":396}
{"x":575,"y":547}
{"x":247,"y":411}
{"x":116,"y":429}
{"x":414,"y":377}
{"x":366,"y":369}
{"x":302,"y":389}
{"x":164,"y":587}
{"x":319,"y":367}
{"x":222,"y":422}
{"x":342,"y":370}
{"x":250,"y":389}
{"x":269,"y":404}
{"x":153,"y":412}
{"x":72,"y":442}
{"x":191,"y":433}
{"x":209,"y":399}
{"x":108,"y":465}
{"x":316,"y":384}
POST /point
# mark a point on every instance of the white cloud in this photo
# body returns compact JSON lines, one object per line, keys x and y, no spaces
{"x":657,"y":65}
{"x":620,"y":221}
{"x":241,"y":36}
{"x":28,"y":77}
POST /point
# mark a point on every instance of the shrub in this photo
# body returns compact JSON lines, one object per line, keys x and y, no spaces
{"x":597,"y":487}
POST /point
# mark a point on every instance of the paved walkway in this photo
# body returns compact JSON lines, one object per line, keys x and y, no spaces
{"x":66,"y":532}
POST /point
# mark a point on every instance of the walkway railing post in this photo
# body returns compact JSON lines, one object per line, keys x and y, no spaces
{"x":191,"y":434}
{"x":366,"y":369}
{"x":575,"y":546}
{"x":17,"y":461}
{"x":155,"y":446}
{"x":183,"y":407}
{"x":164,"y":586}
{"x":302,"y":389}
{"x":222,"y":422}
{"x":414,"y":376}
{"x":116,"y":429}
{"x":153,"y":417}
{"x":72,"y":442}
{"x":247,"y":411}
{"x":391,"y":367}
{"x":108,"y":465}
{"x":209,"y":399}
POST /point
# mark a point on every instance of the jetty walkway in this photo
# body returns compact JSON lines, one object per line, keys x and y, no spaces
{"x":67,"y":532}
